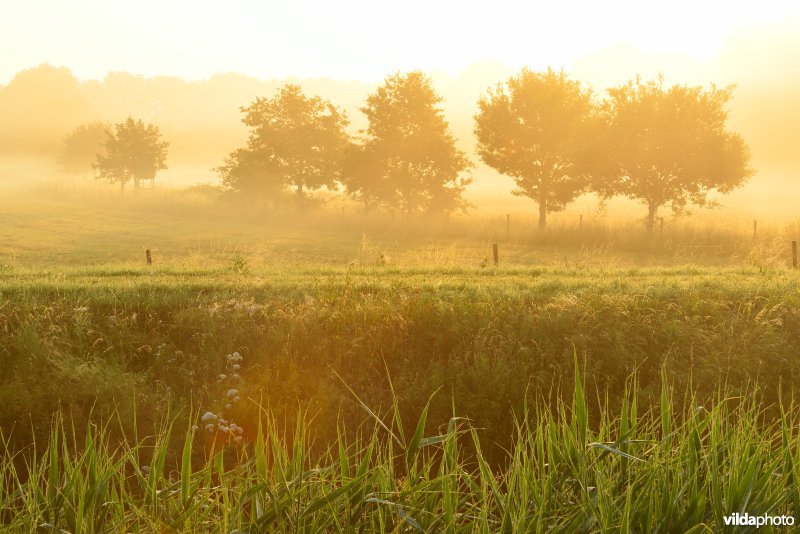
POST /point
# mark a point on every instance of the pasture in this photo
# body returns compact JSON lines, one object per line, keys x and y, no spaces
{"x":391,"y":376}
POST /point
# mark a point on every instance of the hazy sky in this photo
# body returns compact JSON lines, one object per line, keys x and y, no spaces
{"x":354,"y":39}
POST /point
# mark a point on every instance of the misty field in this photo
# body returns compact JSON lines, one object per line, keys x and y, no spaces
{"x":337,"y":373}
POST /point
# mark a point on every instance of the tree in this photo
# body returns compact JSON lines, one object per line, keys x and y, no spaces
{"x":408,"y":158}
{"x":295,"y":141}
{"x":37,"y":107}
{"x":133,"y":152}
{"x":539,"y":128}
{"x":670,"y":146}
{"x":81,"y":147}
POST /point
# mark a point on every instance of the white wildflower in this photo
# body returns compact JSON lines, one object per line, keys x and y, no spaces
{"x":210,"y":427}
{"x":228,"y":406}
{"x":232,"y":393}
{"x":223,"y":428}
{"x":236,"y":366}
{"x":223,"y":376}
{"x":208,"y":416}
{"x":194,"y":427}
{"x":237,"y":440}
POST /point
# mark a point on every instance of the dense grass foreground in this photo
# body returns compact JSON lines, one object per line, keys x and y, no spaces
{"x":109,"y":338}
{"x":652,"y":471}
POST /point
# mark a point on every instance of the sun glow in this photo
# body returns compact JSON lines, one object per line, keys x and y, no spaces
{"x":355,"y":39}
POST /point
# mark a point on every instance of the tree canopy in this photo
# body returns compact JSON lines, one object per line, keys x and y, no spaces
{"x":82,"y":145}
{"x":408,"y":159}
{"x":670,"y":146}
{"x":539,"y":128}
{"x":134,"y":151}
{"x":295,"y":141}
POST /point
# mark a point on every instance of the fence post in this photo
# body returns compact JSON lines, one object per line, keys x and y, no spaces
{"x":494,"y":252}
{"x":149,"y":256}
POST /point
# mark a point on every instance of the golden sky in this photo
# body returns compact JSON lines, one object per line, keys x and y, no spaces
{"x":355,"y":39}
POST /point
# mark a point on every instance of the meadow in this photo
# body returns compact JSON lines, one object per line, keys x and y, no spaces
{"x":386,"y":375}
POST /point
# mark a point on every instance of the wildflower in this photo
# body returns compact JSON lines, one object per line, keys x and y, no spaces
{"x":228,"y":406}
{"x":239,"y":430}
{"x":223,"y":428}
{"x":222,"y":377}
{"x":210,"y":427}
{"x":232,"y":393}
{"x":236,"y":366}
{"x":236,"y":399}
{"x":208,"y":416}
{"x":194,"y":427}
{"x":237,"y":440}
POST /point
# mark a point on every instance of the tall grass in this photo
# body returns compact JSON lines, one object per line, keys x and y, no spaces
{"x":101,"y":337}
{"x":656,"y":470}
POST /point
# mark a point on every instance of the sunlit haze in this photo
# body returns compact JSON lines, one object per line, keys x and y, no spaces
{"x":350,"y":39}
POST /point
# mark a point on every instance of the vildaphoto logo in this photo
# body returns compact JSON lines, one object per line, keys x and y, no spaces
{"x":747,"y":520}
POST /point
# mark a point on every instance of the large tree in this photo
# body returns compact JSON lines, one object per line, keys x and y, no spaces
{"x":133,"y":152}
{"x":670,"y":146}
{"x":540,"y":129}
{"x":81,"y":147}
{"x":295,"y":141}
{"x":408,"y":159}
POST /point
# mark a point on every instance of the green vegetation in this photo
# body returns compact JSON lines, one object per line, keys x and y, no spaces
{"x":657,"y":470}
{"x":101,"y":336}
{"x":107,"y":365}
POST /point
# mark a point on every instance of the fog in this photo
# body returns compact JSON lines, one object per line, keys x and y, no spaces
{"x":202,"y":120}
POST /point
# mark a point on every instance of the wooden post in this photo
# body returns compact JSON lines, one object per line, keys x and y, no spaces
{"x":794,"y":254}
{"x":149,"y":257}
{"x":494,"y":252}
{"x":755,"y":224}
{"x":508,"y":226}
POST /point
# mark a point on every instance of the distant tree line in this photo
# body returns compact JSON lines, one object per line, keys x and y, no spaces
{"x":662,"y":146}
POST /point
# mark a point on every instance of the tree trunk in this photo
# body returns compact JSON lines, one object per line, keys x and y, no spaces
{"x":542,"y":212}
{"x":651,"y":217}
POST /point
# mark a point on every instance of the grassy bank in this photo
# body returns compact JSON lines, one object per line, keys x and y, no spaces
{"x":125,"y":337}
{"x":635,"y":470}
